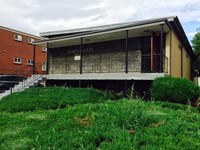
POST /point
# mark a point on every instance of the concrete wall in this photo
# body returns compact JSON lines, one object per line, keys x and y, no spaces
{"x":96,"y":63}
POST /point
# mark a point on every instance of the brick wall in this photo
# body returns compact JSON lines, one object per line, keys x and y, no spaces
{"x":11,"y":48}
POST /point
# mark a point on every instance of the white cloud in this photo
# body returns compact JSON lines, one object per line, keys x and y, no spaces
{"x":96,"y":6}
{"x":35,"y":16}
{"x":191,"y":34}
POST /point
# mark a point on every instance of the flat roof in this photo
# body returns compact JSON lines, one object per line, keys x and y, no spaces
{"x":64,"y":35}
{"x":102,"y":27}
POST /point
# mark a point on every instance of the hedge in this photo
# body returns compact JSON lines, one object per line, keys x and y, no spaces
{"x":177,"y":90}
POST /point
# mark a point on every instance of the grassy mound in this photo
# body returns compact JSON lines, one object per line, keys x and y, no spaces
{"x":51,"y":98}
{"x":124,"y":124}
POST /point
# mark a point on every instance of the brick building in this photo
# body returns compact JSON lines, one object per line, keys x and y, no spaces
{"x":17,"y":53}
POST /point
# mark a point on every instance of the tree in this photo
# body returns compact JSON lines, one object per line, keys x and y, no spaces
{"x":196,"y":47}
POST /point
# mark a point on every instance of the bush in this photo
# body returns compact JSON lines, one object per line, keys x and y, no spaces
{"x":177,"y":90}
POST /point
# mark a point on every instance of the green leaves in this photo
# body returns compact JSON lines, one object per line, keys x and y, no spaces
{"x":178,"y":90}
{"x":196,"y":47}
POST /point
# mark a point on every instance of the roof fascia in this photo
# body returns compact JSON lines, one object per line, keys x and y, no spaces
{"x":96,"y":33}
{"x":181,"y":33}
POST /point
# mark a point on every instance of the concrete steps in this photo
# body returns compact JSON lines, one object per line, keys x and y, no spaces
{"x":32,"y":81}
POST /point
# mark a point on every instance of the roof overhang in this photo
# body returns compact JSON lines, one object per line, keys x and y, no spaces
{"x":105,"y":35}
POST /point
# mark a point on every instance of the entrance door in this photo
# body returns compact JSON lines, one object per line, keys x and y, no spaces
{"x":151,"y":54}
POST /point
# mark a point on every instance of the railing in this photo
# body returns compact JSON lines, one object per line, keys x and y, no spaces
{"x":27,"y":82}
{"x":11,"y":78}
{"x":138,"y":63}
{"x":153,"y":64}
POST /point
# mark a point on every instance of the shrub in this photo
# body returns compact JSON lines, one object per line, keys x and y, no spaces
{"x":178,"y":90}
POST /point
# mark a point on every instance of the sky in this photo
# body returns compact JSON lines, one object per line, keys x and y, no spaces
{"x":36,"y":16}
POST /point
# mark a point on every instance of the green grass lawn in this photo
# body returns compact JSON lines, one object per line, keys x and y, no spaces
{"x":102,"y":124}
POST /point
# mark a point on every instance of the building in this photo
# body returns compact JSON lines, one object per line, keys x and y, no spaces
{"x":17,"y":53}
{"x":116,"y":56}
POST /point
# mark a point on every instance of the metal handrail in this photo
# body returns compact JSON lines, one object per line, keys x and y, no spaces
{"x":26,"y":83}
{"x":24,"y":72}
{"x":165,"y":62}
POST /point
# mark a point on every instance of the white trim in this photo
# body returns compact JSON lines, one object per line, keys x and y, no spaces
{"x":21,"y":33}
{"x":31,"y":40}
{"x":17,"y":60}
{"x":18,"y":37}
{"x":44,"y":66}
{"x":99,"y":33}
{"x":106,"y":76}
{"x":30,"y":62}
{"x":44,"y":49}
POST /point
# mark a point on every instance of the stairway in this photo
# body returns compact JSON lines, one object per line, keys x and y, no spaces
{"x":32,"y":81}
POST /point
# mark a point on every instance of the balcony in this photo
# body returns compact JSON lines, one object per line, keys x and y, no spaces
{"x":109,"y":64}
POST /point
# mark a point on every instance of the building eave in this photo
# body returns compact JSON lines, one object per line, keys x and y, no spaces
{"x":102,"y":27}
{"x":99,"y":32}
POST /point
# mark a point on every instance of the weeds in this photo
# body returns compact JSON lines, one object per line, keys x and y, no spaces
{"x":131,"y":93}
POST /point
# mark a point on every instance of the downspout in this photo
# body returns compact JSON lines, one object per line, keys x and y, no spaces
{"x":81,"y":56}
{"x":33,"y":59}
{"x":170,"y":59}
{"x":47,"y":69}
{"x":152,"y":54}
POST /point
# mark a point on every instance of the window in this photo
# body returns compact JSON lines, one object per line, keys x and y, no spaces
{"x":30,"y":40}
{"x":18,"y":37}
{"x":44,"y":49}
{"x":30,"y":62}
{"x":78,"y":57}
{"x":44,"y":65}
{"x":17,"y":60}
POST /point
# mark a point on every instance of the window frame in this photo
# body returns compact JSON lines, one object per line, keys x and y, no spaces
{"x":30,"y":62}
{"x":18,"y":37}
{"x":30,"y":40}
{"x":44,"y":49}
{"x":44,"y":68}
{"x":17,"y":60}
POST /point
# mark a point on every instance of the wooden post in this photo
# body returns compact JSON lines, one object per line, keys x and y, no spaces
{"x":161,"y":48}
{"x":81,"y":56}
{"x":152,"y":55}
{"x":126,"y":70}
